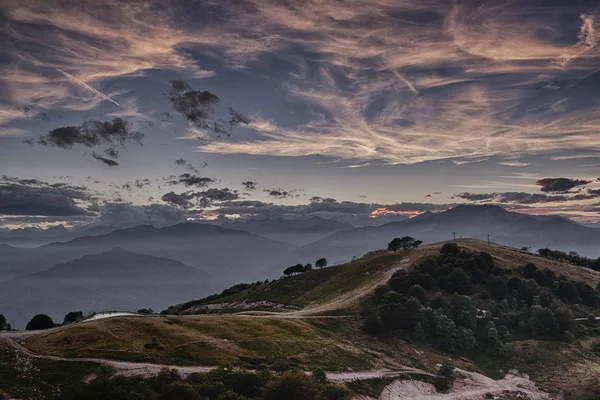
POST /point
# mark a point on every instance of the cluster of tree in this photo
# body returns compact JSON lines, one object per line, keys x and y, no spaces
{"x":300,"y":269}
{"x":297,"y":269}
{"x":404,"y":243}
{"x":571,"y":257}
{"x":220,"y":384}
{"x":463,"y":302}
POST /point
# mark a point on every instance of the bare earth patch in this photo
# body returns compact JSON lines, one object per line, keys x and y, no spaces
{"x":468,"y":386}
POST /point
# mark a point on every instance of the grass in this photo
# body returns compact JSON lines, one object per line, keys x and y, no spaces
{"x":319,"y":286}
{"x":203,"y":340}
{"x":21,"y":377}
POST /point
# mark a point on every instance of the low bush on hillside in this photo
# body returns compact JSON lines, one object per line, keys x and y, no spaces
{"x":220,"y":384}
{"x":463,"y":302}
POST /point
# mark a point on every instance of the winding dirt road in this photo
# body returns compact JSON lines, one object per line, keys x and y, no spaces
{"x":127,"y":368}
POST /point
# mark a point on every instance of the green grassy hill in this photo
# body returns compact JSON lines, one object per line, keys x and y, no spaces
{"x":322,"y":319}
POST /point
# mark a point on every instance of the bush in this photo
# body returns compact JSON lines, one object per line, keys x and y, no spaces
{"x":72,"y":316}
{"x":459,"y":281}
{"x":543,"y":321}
{"x":528,"y":270}
{"x":291,"y":386}
{"x":418,"y":292}
{"x":497,"y":287}
{"x":179,"y":391}
{"x":450,"y":249}
{"x":39,"y":321}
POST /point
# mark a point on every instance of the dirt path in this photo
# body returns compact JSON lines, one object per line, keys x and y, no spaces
{"x":130,"y":369}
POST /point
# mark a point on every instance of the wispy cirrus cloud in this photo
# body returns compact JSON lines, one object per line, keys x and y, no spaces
{"x":401,"y":81}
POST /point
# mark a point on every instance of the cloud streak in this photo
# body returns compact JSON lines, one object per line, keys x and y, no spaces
{"x":85,"y":86}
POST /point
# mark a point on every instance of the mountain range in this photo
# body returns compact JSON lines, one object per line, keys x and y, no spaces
{"x":113,"y":280}
{"x":476,"y":221}
{"x":108,"y":270}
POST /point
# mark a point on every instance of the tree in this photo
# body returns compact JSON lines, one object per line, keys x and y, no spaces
{"x":405,"y":242}
{"x":459,"y":281}
{"x":450,"y":249}
{"x":72,"y":316}
{"x":321,"y":263}
{"x":307,"y":268}
{"x":543,"y":321}
{"x":39,"y":321}
{"x":418,"y":292}
{"x":3,"y":324}
{"x":497,"y":287}
{"x":528,"y":270}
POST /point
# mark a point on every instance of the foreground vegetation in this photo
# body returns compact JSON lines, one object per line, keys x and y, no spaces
{"x":462,"y":302}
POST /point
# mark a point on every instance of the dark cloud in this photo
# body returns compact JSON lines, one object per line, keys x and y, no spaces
{"x":249,"y":185}
{"x":524,"y":198}
{"x":209,"y":197}
{"x":112,"y":152}
{"x":188,"y":179}
{"x":189,"y":166}
{"x":106,"y":161}
{"x":32,"y":197}
{"x":198,"y":108}
{"x":322,"y":207}
{"x":92,"y":134}
{"x":181,"y":200}
{"x":282,"y":194}
{"x":560,"y":184}
{"x":140,"y":183}
{"x":203,"y":199}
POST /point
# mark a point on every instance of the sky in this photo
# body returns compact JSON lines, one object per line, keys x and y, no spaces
{"x":125,"y":112}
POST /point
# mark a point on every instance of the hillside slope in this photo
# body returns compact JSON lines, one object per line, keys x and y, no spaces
{"x":321,"y":320}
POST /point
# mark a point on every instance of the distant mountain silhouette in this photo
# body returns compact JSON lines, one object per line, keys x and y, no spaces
{"x":224,"y":253}
{"x":117,"y":279}
{"x":476,"y":221}
{"x":293,"y":231}
{"x":33,"y":237}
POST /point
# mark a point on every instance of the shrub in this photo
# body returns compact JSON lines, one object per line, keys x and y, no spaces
{"x":543,"y":321}
{"x":39,"y":321}
{"x":72,"y":316}
{"x":497,"y":287}
{"x":459,"y":281}
{"x":528,"y":269}
{"x":179,"y":391}
{"x":291,"y":386}
{"x":418,"y":292}
{"x":450,"y":249}
{"x":568,"y":291}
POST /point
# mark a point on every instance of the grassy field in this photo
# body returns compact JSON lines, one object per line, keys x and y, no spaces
{"x":318,"y":286}
{"x":204,"y":340}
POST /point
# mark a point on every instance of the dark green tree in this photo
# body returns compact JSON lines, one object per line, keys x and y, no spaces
{"x":39,"y":321}
{"x":321,"y":263}
{"x":3,"y":324}
{"x":291,"y":386}
{"x":72,"y":316}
